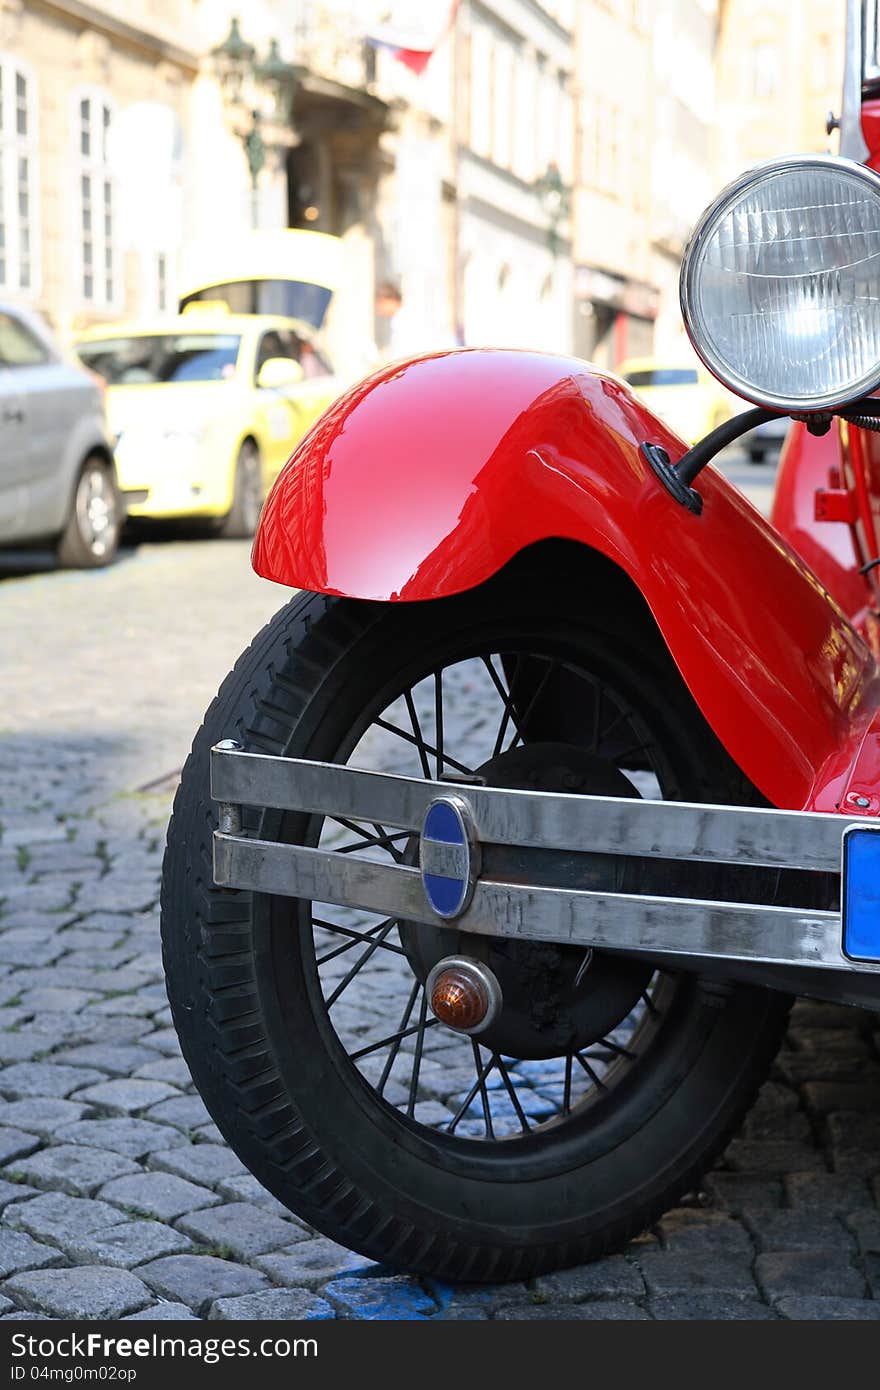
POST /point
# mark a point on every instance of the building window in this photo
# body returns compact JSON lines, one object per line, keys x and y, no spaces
{"x":604,"y":146}
{"x":565,"y":123}
{"x":589,"y":141}
{"x":18,"y":177}
{"x":764,"y":69}
{"x":481,"y":90}
{"x":525,"y":163}
{"x":95,"y":201}
{"x":503,"y":98}
{"x":545,"y":116}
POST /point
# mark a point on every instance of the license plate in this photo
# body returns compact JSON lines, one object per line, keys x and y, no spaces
{"x":860,"y":890}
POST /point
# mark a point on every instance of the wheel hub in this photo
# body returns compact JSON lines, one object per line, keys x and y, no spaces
{"x":556,"y":999}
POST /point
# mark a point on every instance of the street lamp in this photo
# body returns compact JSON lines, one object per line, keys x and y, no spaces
{"x":263,"y":89}
{"x":556,"y":200}
{"x":279,"y":78}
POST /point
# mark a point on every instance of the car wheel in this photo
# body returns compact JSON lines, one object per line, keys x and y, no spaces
{"x":91,"y":537}
{"x":555,"y":1140}
{"x":247,"y":497}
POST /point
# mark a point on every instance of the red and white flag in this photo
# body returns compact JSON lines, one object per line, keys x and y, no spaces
{"x":413,"y":29}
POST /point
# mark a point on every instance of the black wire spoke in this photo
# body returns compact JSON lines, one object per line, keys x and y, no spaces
{"x":552,"y":666}
{"x":438,"y":720}
{"x":355,"y":936}
{"x":417,"y":730}
{"x":502,"y":730}
{"x":621,"y":715}
{"x":511,"y":1091}
{"x":481,"y":1084}
{"x":597,"y":717}
{"x":591,"y":1073}
{"x":417,"y":1059}
{"x":392,"y":1037}
{"x":428,"y":747}
{"x":505,"y":716}
{"x":381,"y":839}
{"x":615,"y":1048}
{"x":523,"y":682}
{"x":466,"y":1103}
{"x":392,"y":1056}
{"x":388,"y":841}
{"x":566,"y":1094}
{"x":360,"y":963}
{"x":649,"y":1004}
{"x":631,"y":753}
{"x":504,"y":696}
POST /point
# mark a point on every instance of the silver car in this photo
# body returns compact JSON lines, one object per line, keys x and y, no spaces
{"x":57,"y":475}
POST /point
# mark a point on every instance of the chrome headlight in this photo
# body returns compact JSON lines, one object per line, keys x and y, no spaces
{"x":780,"y":284}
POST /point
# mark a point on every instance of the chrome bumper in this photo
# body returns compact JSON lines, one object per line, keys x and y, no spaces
{"x":662,"y":928}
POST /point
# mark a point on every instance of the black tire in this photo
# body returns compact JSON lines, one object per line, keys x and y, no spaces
{"x":248,"y":1005}
{"x":90,"y":538}
{"x":240,"y":522}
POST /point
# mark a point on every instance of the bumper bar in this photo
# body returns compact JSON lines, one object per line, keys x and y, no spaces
{"x":648,"y":924}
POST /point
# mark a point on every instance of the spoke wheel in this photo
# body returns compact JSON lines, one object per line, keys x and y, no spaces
{"x":543,"y":1063}
{"x":607,"y":1087}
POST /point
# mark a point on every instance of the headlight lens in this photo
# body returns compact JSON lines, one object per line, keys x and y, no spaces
{"x":780,"y":285}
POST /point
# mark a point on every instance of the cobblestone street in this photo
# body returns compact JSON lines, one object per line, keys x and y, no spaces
{"x":119,"y":1197}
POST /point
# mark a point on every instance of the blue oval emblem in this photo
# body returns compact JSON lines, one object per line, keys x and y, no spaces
{"x":448,"y":856}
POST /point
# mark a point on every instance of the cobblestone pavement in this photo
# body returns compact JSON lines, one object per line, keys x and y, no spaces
{"x":119,"y":1198}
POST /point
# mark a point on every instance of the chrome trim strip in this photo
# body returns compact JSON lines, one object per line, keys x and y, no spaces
{"x":542,"y":820}
{"x":656,"y":926}
{"x":859,"y":50}
{"x":870,"y":54}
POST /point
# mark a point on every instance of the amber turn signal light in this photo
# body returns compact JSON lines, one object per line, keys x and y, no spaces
{"x":459,"y":1000}
{"x":464,"y":994}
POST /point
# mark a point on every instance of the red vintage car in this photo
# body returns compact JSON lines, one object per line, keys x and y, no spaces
{"x":505,"y":846}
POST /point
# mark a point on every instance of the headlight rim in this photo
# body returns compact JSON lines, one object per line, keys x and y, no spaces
{"x":728,"y":377}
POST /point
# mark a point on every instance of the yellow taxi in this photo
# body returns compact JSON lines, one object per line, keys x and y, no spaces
{"x":207,"y":407}
{"x":682,"y":392}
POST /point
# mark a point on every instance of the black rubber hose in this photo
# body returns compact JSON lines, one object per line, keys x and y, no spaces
{"x":691,"y":463}
{"x":864,"y":414}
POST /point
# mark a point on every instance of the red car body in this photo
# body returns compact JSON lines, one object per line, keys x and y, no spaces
{"x":430,"y":476}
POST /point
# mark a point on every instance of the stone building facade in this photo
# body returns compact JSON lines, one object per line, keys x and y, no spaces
{"x":780,"y":71}
{"x":532,"y":185}
{"x":644,"y":168}
{"x":514,"y":129}
{"x":685,"y":55}
{"x":120,"y":158}
{"x":70,"y":193}
{"x":616,"y":300}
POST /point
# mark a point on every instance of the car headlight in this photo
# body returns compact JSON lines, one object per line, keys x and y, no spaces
{"x":780,"y":284}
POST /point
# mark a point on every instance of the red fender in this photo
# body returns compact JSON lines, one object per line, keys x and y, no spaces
{"x":871,"y":131}
{"x":809,"y":462}
{"x":428,"y":477}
